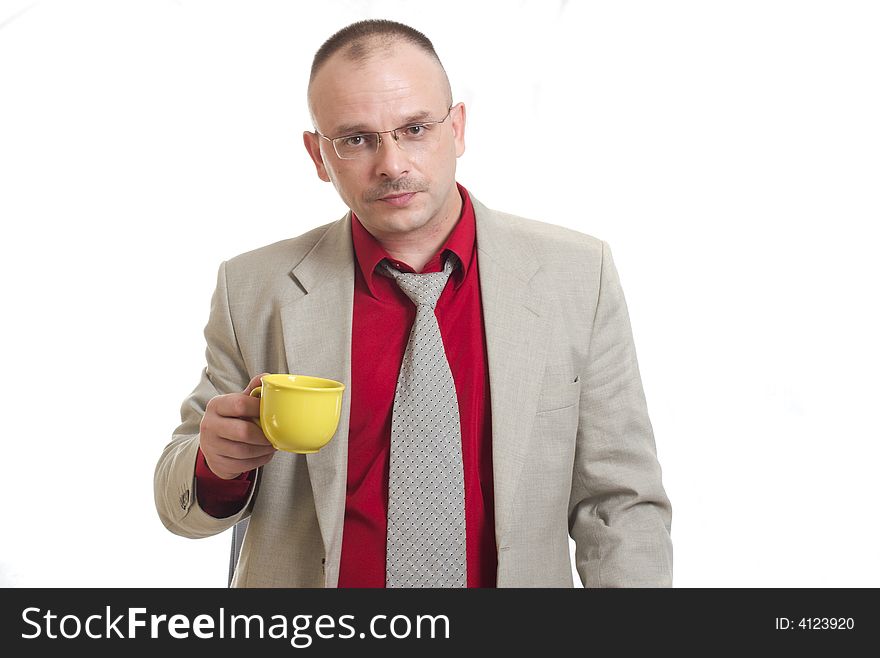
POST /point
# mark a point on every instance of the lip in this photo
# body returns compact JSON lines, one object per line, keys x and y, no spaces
{"x":398,"y":200}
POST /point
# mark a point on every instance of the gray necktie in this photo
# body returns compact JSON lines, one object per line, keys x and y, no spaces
{"x":426,"y":527}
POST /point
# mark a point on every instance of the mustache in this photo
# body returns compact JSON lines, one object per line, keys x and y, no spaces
{"x":399,"y":186}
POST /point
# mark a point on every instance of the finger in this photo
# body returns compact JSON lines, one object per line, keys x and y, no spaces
{"x":242,"y":431}
{"x":254,"y":383}
{"x":236,"y":450}
{"x":237,"y":405}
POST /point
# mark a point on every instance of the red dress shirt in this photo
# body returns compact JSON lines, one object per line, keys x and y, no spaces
{"x":382,"y":318}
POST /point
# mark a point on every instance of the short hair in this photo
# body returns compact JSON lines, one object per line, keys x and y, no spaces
{"x":360,"y":40}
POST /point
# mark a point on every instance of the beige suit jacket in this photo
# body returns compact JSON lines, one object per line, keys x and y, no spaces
{"x":572,"y":445}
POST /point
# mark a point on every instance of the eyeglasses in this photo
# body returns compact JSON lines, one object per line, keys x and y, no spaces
{"x":412,"y":138}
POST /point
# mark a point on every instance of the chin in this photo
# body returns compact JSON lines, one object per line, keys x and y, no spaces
{"x":397,"y":220}
{"x":400,"y":222}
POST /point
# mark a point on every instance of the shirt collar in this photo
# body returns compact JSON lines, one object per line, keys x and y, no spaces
{"x":369,"y":251}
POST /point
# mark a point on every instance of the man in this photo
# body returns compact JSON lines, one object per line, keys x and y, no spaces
{"x":480,"y":426}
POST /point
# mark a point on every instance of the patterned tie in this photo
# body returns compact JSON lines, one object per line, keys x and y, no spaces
{"x":426,"y":528}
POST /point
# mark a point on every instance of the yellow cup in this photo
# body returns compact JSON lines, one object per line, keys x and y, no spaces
{"x":299,"y":413}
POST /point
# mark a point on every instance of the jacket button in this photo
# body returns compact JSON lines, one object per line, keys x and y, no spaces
{"x":184,"y":499}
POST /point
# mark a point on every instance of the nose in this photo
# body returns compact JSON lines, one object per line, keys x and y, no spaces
{"x":391,"y":160}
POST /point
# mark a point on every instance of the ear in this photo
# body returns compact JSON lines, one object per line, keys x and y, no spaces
{"x":458,"y":122}
{"x":312,"y":142}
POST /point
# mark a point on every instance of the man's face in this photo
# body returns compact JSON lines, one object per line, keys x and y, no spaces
{"x":394,"y":191}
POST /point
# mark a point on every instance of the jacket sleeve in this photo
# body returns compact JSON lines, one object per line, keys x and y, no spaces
{"x":174,"y":481}
{"x":619,"y":514}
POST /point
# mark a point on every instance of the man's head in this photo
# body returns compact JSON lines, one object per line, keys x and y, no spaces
{"x":380,"y":76}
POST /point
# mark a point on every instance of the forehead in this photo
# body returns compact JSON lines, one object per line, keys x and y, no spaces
{"x":389,"y":87}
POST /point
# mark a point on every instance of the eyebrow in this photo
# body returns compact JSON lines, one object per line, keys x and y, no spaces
{"x":355,"y":128}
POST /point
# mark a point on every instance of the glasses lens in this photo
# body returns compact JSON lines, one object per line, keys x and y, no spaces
{"x":356,"y":146}
{"x":418,"y":135}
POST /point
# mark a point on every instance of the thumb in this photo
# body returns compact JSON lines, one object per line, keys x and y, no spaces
{"x":254,"y":383}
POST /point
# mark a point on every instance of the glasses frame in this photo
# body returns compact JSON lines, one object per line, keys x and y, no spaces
{"x":379,"y":133}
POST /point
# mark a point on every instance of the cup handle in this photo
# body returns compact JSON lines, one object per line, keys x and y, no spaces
{"x":257,"y":393}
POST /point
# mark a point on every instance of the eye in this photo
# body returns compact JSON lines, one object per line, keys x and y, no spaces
{"x":416,"y":130}
{"x":354,"y":141}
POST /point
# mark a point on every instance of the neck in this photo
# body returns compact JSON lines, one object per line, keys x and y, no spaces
{"x":418,"y":247}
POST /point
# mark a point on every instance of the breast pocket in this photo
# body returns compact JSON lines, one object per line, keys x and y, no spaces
{"x":556,"y":396}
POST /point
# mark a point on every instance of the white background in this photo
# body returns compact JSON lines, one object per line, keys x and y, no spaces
{"x":727,"y":151}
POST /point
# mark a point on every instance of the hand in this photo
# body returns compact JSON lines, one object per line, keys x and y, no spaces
{"x":231,"y":442}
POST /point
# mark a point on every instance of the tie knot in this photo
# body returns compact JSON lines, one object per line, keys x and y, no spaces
{"x":423,"y":289}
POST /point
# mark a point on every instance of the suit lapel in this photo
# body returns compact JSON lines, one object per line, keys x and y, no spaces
{"x":516,"y":339}
{"x":317,"y":339}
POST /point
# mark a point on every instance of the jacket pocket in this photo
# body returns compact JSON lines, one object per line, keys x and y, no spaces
{"x":559,"y":395}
